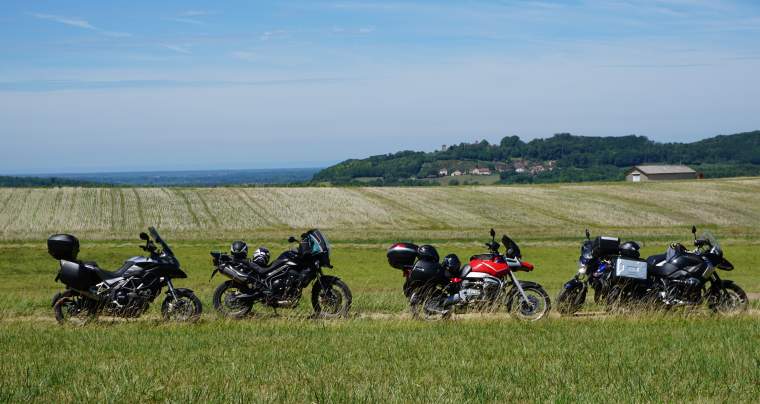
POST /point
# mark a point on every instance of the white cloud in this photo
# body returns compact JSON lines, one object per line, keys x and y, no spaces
{"x":186,"y":20}
{"x":244,"y":55}
{"x":272,"y":34}
{"x":366,"y":30}
{"x":74,"y":22}
{"x":177,"y":48}
{"x":196,"y":13}
{"x":79,"y":23}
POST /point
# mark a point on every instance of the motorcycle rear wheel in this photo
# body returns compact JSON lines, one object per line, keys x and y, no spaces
{"x":731,"y":300}
{"x":76,"y":310}
{"x":225,"y":303}
{"x":536,"y":308}
{"x":187,"y":306}
{"x":426,"y":303}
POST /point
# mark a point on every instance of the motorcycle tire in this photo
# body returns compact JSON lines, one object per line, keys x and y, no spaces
{"x":73,"y":309}
{"x":731,"y":300}
{"x":330,"y":297}
{"x":571,"y":300}
{"x":535,"y":309}
{"x":187,"y":307}
{"x":426,"y":303}
{"x":222,"y":302}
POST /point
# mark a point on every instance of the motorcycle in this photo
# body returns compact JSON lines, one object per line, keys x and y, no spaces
{"x":678,"y":278}
{"x":487,"y":284}
{"x":280,"y":284}
{"x":596,"y":259}
{"x":126,"y":292}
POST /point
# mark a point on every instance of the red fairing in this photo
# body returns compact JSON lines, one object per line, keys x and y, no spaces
{"x":497,"y":269}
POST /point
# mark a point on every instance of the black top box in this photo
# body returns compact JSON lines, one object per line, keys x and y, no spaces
{"x":63,"y":247}
{"x":603,"y":246}
{"x":402,"y":255}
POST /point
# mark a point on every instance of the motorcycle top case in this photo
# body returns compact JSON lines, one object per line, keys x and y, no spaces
{"x":402,"y":255}
{"x":77,"y":276}
{"x":426,"y":271}
{"x":603,"y":245}
{"x":630,"y":269}
{"x":63,"y":247}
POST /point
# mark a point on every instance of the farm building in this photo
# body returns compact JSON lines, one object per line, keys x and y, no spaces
{"x":660,"y":172}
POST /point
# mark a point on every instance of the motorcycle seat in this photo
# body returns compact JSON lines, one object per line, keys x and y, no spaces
{"x":265,"y":270}
{"x":105,"y":274}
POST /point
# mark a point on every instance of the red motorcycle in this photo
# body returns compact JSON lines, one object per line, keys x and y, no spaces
{"x":487,"y":284}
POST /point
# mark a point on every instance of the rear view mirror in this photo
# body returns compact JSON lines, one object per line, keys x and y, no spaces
{"x":693,"y":229}
{"x":291,"y":239}
{"x":144,"y":236}
{"x":588,"y":235}
{"x":493,"y":233}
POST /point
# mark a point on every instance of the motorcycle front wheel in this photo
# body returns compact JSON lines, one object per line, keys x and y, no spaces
{"x":330,"y":298}
{"x":570,"y":300}
{"x":731,"y":299}
{"x":73,"y":309}
{"x":186,"y":307}
{"x":535,"y":308}
{"x":226,"y":302}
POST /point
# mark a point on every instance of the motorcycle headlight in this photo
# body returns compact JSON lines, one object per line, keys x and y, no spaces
{"x":581,"y":268}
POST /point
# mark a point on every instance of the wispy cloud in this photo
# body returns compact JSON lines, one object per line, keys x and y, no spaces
{"x":244,"y":55}
{"x":186,"y":20}
{"x":70,"y":21}
{"x":177,"y":48}
{"x":66,"y":85}
{"x":273,"y":34}
{"x":79,"y":23}
{"x":196,"y":13}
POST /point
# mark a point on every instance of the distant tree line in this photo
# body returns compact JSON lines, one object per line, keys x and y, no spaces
{"x":12,"y":181}
{"x":579,"y":158}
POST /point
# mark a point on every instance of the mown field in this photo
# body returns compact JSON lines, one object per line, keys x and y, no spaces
{"x":378,"y":353}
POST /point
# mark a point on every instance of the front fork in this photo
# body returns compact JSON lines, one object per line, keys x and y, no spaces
{"x":519,"y":287}
{"x":171,"y":289}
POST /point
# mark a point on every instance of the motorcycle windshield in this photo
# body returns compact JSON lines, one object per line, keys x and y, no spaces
{"x":318,"y":242}
{"x":160,"y":241}
{"x":714,"y":243}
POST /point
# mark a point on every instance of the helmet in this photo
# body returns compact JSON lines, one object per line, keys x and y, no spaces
{"x":630,"y":249}
{"x":428,"y":253}
{"x":451,"y":265}
{"x":260,"y":256}
{"x":239,"y":249}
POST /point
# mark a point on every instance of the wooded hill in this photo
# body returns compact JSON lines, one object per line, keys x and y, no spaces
{"x":578,"y":158}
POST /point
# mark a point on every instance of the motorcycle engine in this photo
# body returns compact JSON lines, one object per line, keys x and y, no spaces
{"x":681,"y":291}
{"x":483,"y":289}
{"x":286,"y":289}
{"x":131,"y":297}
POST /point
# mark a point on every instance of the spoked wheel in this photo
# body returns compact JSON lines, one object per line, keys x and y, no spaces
{"x":427,"y":303}
{"x":74,"y":309}
{"x":186,"y":307}
{"x":226,"y":301}
{"x":731,"y":300}
{"x":330,"y":297}
{"x":536,"y":306}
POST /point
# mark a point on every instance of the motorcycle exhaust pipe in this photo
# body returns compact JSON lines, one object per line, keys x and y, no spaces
{"x":237,"y":275}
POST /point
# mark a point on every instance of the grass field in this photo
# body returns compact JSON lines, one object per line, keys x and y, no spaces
{"x":379,"y":353}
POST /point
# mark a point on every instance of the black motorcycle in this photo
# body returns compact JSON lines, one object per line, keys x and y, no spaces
{"x":280,"y":284}
{"x":678,"y":278}
{"x":126,"y":292}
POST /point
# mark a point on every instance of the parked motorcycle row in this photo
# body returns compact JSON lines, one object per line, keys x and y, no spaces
{"x":435,"y":288}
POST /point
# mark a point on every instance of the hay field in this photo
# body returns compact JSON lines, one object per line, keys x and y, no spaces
{"x":382,"y":213}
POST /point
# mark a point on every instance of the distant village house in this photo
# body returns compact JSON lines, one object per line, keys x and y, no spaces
{"x":456,"y":173}
{"x":659,"y":173}
{"x":443,"y":172}
{"x":480,"y":171}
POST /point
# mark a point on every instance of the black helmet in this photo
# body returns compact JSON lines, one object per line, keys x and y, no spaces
{"x":630,"y":249}
{"x":428,"y":253}
{"x":260,"y":256}
{"x":452,"y":265}
{"x":239,"y":249}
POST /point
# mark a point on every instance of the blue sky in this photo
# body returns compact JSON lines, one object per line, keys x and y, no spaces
{"x":102,"y":86}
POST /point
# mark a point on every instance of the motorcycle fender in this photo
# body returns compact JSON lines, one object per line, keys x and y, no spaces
{"x":59,"y":295}
{"x":327,"y":280}
{"x":725,"y":265}
{"x":572,"y":283}
{"x":178,"y":290}
{"x":514,"y":292}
